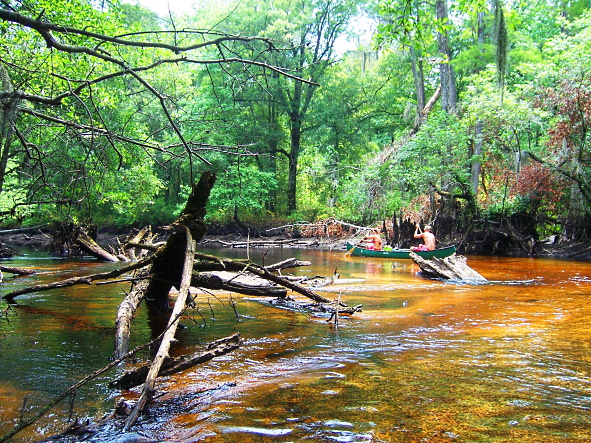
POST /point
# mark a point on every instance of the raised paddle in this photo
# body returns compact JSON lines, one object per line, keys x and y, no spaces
{"x":358,"y":243}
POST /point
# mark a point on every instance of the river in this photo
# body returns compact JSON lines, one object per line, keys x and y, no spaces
{"x":425,"y":361}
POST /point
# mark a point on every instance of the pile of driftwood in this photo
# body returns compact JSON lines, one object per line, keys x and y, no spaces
{"x":155,"y":269}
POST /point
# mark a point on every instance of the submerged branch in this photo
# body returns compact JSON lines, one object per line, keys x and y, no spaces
{"x":171,"y":366}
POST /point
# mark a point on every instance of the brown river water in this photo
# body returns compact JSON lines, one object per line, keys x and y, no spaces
{"x":426,"y":360}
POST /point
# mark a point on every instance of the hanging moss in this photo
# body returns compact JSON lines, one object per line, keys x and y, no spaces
{"x":502,"y":44}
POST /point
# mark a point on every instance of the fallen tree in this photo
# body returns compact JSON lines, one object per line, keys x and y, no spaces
{"x":174,"y":264}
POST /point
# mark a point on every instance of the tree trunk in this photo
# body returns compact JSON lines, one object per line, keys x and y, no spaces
{"x":449,"y":268}
{"x":478,"y":137}
{"x":294,"y":154}
{"x":417,"y":73}
{"x":8,"y":106}
{"x":168,"y":261}
{"x":476,"y":165}
{"x":448,"y":83}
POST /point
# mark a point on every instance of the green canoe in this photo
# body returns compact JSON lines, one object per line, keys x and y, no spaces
{"x":400,"y":253}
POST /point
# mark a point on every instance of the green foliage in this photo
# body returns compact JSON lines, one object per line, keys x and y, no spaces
{"x":436,"y":157}
{"x":241,"y":187}
{"x":347,"y":137}
{"x":128,"y":197}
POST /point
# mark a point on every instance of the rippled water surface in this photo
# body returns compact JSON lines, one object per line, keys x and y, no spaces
{"x":425,"y":361}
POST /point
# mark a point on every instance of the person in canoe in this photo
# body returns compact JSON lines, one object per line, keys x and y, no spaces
{"x":373,"y":241}
{"x":428,"y":239}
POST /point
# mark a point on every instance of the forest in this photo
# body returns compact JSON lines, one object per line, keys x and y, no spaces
{"x":252,"y":115}
{"x":471,"y":116}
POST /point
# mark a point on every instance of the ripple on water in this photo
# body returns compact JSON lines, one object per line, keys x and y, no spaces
{"x":258,"y":431}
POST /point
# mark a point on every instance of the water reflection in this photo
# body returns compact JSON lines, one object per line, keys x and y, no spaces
{"x":426,"y":360}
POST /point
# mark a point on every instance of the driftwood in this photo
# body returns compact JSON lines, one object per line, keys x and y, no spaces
{"x":331,"y":307}
{"x":286,"y":264}
{"x":319,"y":281}
{"x":259,"y":243}
{"x":306,"y":225}
{"x":141,"y":241}
{"x":126,"y":312}
{"x":449,"y":268}
{"x":17,"y":271}
{"x":88,"y":245}
{"x":173,"y":365}
{"x":243,"y":283}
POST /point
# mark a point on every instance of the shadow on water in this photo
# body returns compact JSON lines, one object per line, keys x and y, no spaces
{"x":426,"y":360}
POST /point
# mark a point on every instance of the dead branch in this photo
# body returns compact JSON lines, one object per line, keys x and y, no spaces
{"x":257,"y":243}
{"x":88,"y":245}
{"x":126,"y":311}
{"x":141,"y":240}
{"x":334,"y":308}
{"x":87,"y":280}
{"x":179,"y":308}
{"x":285,"y":264}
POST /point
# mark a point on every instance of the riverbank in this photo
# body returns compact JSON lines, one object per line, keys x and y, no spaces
{"x":39,"y":240}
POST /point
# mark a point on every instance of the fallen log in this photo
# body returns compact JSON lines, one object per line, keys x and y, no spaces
{"x":88,"y":245}
{"x":331,"y":308}
{"x":173,"y":365}
{"x":319,"y":281}
{"x":453,"y":268}
{"x":256,"y":243}
{"x":17,"y":271}
{"x":286,"y":264}
{"x":243,"y":283}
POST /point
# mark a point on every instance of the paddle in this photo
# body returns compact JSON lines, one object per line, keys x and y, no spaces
{"x":358,"y":243}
